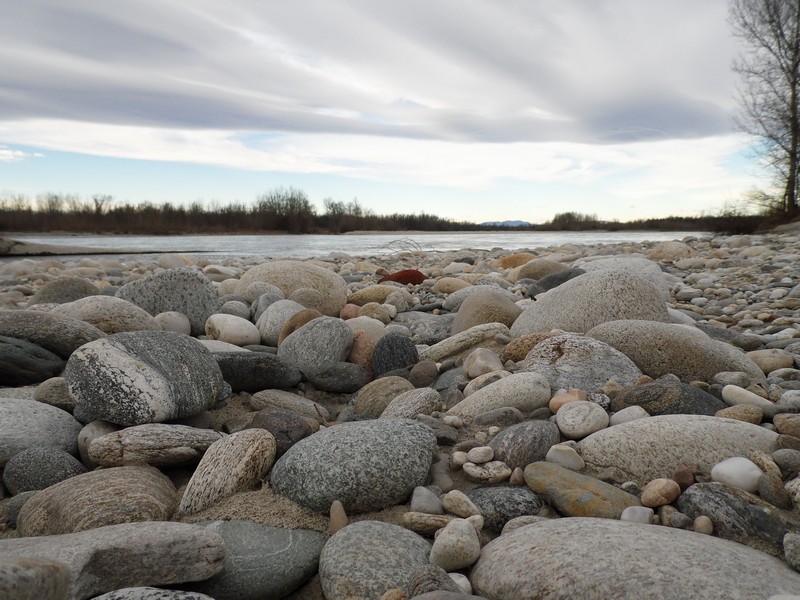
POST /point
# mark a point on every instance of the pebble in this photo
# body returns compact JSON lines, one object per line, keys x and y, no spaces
{"x":456,"y":547}
{"x":458,"y":503}
{"x":637,"y":514}
{"x":738,"y":472}
{"x":493,"y":471}
{"x":659,"y":492}
{"x":576,"y":420}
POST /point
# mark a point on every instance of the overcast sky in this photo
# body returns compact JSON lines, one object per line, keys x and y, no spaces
{"x":470,"y":109}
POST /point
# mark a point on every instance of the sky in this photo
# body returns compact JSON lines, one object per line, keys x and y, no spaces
{"x":476,"y":110}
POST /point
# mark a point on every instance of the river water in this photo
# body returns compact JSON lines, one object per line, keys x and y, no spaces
{"x":356,"y":244}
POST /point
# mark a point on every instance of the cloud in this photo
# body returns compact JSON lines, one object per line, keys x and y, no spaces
{"x":10,"y":155}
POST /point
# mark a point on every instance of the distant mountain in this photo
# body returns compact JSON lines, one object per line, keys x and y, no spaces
{"x":506,"y":224}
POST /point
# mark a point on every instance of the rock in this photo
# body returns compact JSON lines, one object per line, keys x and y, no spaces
{"x":296,"y":321}
{"x":498,"y":505}
{"x":670,"y":251}
{"x":646,"y":449}
{"x":498,"y":417}
{"x":28,"y":424}
{"x":423,"y":374}
{"x":340,"y":378}
{"x":740,"y":516}
{"x":565,"y":456}
{"x":668,"y":398}
{"x":480,"y":455}
{"x":791,"y":550}
{"x":367,"y":558}
{"x":151,"y":593}
{"x":737,"y":472}
{"x":458,"y":503}
{"x":424,"y":523}
{"x":456,"y":547}
{"x":578,"y":419}
{"x":454,"y":301}
{"x":333,"y":465}
{"x":573,"y":361}
{"x":286,"y":427}
{"x":630,"y":413}
{"x":523,"y":391}
{"x":481,"y":381}
{"x":31,"y":578}
{"x":54,"y":391}
{"x":232,"y":464}
{"x":490,"y":472}
{"x":236,"y":308}
{"x":430,"y":578}
{"x":291,"y":275}
{"x":659,"y":492}
{"x":59,"y":334}
{"x":109,"y":314}
{"x":576,"y":495}
{"x":524,"y":443}
{"x":787,"y":424}
{"x":536,"y":268}
{"x":733,"y":395}
{"x":287,"y":401}
{"x":661,"y":348}
{"x":155,"y":444}
{"x":174,"y":377}
{"x":485,"y":306}
{"x":24,"y":363}
{"x":613,"y":559}
{"x":154,"y":553}
{"x":182,"y":290}
{"x":317,"y":346}
{"x":637,"y":514}
{"x":582,"y":303}
{"x":425,"y":500}
{"x":412,"y":403}
{"x":174,"y":321}
{"x":373,"y":398}
{"x":274,"y":318}
{"x":98,"y":498}
{"x":232,"y":329}
{"x":255,"y":371}
{"x":393,"y":351}
{"x":405,"y":277}
{"x":262,"y":561}
{"x":372,"y":293}
{"x":491,"y":335}
{"x":640,"y":267}
{"x":38,"y":468}
{"x":772,"y":359}
{"x":62,"y":290}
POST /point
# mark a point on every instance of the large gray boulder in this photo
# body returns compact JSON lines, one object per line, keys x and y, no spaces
{"x":125,"y":555}
{"x":183,"y":290}
{"x":591,"y":299}
{"x":367,"y":465}
{"x":144,"y":377}
{"x":603,"y":558}
{"x":28,"y":424}
{"x":661,"y":348}
{"x":59,"y":334}
{"x":634,"y":265}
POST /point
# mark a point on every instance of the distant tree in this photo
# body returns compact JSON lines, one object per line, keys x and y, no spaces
{"x":769,"y":68}
{"x":102,"y":202}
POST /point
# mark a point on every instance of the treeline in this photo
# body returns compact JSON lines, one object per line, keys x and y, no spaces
{"x":288,"y":210}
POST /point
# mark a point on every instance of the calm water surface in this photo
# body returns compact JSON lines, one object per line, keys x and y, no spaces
{"x":360,"y":244}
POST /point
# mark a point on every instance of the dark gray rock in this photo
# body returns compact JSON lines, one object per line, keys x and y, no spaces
{"x":24,"y":363}
{"x":27,"y":423}
{"x":367,"y":558}
{"x":340,"y":378}
{"x":740,"y":516}
{"x":175,"y":377}
{"x":501,"y":417}
{"x":59,"y":334}
{"x":9,"y":508}
{"x":255,"y":371}
{"x":151,"y":593}
{"x":261,"y":303}
{"x":432,"y":329}
{"x":286,"y":427}
{"x":62,"y":290}
{"x":548,"y":282}
{"x":423,"y":374}
{"x":430,"y":578}
{"x":367,"y":465}
{"x":183,"y":290}
{"x":498,"y":505}
{"x":524,"y":443}
{"x":262,"y":561}
{"x":445,"y":435}
{"x":39,"y":468}
{"x":669,"y":398}
{"x":393,"y":351}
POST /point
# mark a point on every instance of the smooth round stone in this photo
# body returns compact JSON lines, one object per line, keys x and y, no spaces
{"x":482,"y":361}
{"x":365,"y":559}
{"x":54,"y":391}
{"x":28,"y":424}
{"x":500,"y":504}
{"x":24,"y":363}
{"x":481,"y":381}
{"x":637,"y":514}
{"x":459,"y":504}
{"x":108,"y":314}
{"x":430,"y":578}
{"x":59,"y":334}
{"x":565,"y":456}
{"x":39,"y":468}
{"x":563,"y":397}
{"x":456,"y":547}
{"x":63,"y":289}
{"x":734,"y":395}
{"x":423,"y":374}
{"x":524,"y":443}
{"x":174,"y":321}
{"x":232,"y":329}
{"x":613,"y":559}
{"x":576,"y":420}
{"x":703,"y":524}
{"x":668,"y":398}
{"x":486,"y":306}
{"x":749,"y":413}
{"x":738,"y":472}
{"x":659,"y":492}
{"x":373,"y":398}
{"x":274,"y":317}
{"x":412,"y":403}
{"x":787,"y":424}
{"x":480,"y":455}
{"x":523,"y":391}
{"x":286,"y":427}
{"x":631,"y":413}
{"x":317,"y":346}
{"x":256,"y":371}
{"x":772,"y":359}
{"x":426,"y":501}
{"x":497,"y":417}
{"x":393,"y":351}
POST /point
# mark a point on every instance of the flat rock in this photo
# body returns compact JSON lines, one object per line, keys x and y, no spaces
{"x":182,"y":290}
{"x":367,"y":465}
{"x":668,"y":398}
{"x":523,"y":391}
{"x":154,"y":553}
{"x":661,"y":348}
{"x":144,"y":377}
{"x":108,"y":314}
{"x":98,"y":498}
{"x":59,"y":334}
{"x":155,"y":444}
{"x":367,"y":558}
{"x":524,"y":443}
{"x":27,"y":424}
{"x":647,"y":449}
{"x":24,"y":363}
{"x":499,"y":504}
{"x":255,"y":371}
{"x":614,"y":559}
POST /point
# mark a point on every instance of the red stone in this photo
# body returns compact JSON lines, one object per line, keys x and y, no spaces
{"x":405,"y":277}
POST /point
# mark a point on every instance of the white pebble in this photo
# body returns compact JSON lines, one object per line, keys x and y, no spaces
{"x":565,"y":456}
{"x":637,"y":514}
{"x":738,"y":472}
{"x":631,"y":413}
{"x":733,"y":395}
{"x":578,"y":419}
{"x":480,"y":455}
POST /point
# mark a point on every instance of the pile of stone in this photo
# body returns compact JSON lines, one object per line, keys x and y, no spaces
{"x":577,"y":421}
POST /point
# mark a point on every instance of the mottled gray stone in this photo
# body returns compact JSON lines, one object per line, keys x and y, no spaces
{"x":153,"y":553}
{"x":182,"y":290}
{"x":493,"y":336}
{"x":262,"y":561}
{"x":54,"y":391}
{"x":367,"y":558}
{"x":38,"y":468}
{"x":108,"y":313}
{"x":286,"y":427}
{"x":367,"y":465}
{"x":372,"y":399}
{"x":151,"y":593}
{"x":498,"y":505}
{"x":486,"y":306}
{"x":64,"y":289}
{"x":340,"y":378}
{"x":393,"y":351}
{"x":614,"y":559}
{"x":24,"y":363}
{"x":59,"y":334}
{"x":31,"y":578}
{"x":10,"y":507}
{"x":255,"y":371}
{"x":523,"y":391}
{"x":317,"y":346}
{"x":524,"y":443}
{"x":412,"y":403}
{"x":574,"y":361}
{"x":669,"y":398}
{"x":174,"y":377}
{"x":27,"y":424}
{"x":289,"y":401}
{"x":272,"y":319}
{"x":640,"y":267}
{"x":454,"y":301}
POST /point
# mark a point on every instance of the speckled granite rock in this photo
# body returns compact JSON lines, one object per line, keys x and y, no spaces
{"x":524,"y":443}
{"x":151,"y":593}
{"x":38,"y":468}
{"x":28,"y":424}
{"x":59,"y":334}
{"x":499,"y":504}
{"x":108,"y":314}
{"x":669,"y":398}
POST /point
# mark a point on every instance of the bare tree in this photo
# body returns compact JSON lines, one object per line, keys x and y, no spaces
{"x":769,"y":68}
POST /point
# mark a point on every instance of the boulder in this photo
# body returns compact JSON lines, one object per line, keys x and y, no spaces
{"x":317,"y":346}
{"x":108,"y":314}
{"x":28,"y":424}
{"x":59,"y":334}
{"x":634,"y":265}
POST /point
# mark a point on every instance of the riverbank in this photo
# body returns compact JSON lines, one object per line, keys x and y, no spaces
{"x":636,"y":401}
